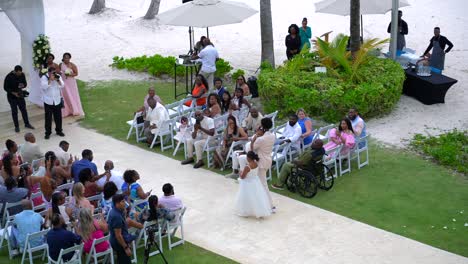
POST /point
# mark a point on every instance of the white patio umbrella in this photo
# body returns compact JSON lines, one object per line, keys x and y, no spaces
{"x":206,"y":13}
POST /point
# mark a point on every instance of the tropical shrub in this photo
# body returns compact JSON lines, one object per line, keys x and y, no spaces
{"x":449,"y":149}
{"x":158,"y":65}
{"x":374,"y":86}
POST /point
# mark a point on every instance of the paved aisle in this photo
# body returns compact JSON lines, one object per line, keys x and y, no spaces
{"x":297,"y":233}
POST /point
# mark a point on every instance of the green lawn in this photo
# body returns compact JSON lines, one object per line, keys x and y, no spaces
{"x":399,"y":191}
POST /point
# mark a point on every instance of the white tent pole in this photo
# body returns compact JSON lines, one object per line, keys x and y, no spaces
{"x":394,"y":29}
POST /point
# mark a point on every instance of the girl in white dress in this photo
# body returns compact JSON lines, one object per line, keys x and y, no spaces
{"x":252,"y":200}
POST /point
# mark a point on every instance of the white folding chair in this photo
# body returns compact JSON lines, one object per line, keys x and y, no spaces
{"x":7,"y":216}
{"x":41,"y":206}
{"x":173,"y":109}
{"x":5,"y":234}
{"x":344,"y":158}
{"x":361,"y":146}
{"x":278,"y":157}
{"x":156,"y":227}
{"x":35,"y":164}
{"x":138,"y":127}
{"x":179,"y":142}
{"x":76,"y":259}
{"x":96,"y":199}
{"x":66,"y":188}
{"x":211,"y":143}
{"x":29,"y":249}
{"x":98,"y":256}
{"x":234,"y":145}
{"x":323,"y":133}
{"x":303,"y":146}
{"x":166,"y":129}
{"x":171,"y":228}
{"x":220,"y":123}
{"x":329,"y":159}
{"x":272,"y":116}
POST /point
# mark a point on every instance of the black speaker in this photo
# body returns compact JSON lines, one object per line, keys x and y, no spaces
{"x":185,"y":1}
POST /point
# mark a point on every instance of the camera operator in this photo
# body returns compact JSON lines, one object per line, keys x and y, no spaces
{"x":14,"y":84}
{"x":51,"y":85}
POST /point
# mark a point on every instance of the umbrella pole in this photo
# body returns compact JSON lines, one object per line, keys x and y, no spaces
{"x":207,"y":33}
{"x":362,"y":31}
{"x":190,"y":40}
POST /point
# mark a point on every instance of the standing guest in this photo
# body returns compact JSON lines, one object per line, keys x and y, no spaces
{"x":242,"y":84}
{"x":293,"y":41}
{"x":344,"y":135}
{"x":59,"y":238}
{"x":14,"y":84}
{"x":110,"y":189}
{"x":169,"y":200}
{"x":30,"y":149}
{"x":115,"y":176}
{"x":151,"y":94}
{"x":70,"y":94}
{"x":89,"y":229}
{"x":437,"y":44}
{"x":402,"y":31}
{"x":208,"y":56}
{"x":252,"y":122}
{"x":156,"y":115}
{"x":199,"y":45}
{"x":27,"y":222}
{"x":358,"y":124}
{"x":198,"y":92}
{"x":85,"y":162}
{"x":220,"y":89}
{"x":10,"y":193}
{"x":226,"y":102}
{"x":52,"y":85}
{"x":305,"y":32}
{"x":214,"y":105}
{"x":120,"y":239}
{"x":49,"y":62}
{"x":306,"y":126}
{"x":62,"y":153}
{"x":204,"y":127}
{"x":292,"y":133}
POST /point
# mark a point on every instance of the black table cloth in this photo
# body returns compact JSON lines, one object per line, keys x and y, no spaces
{"x":428,"y":90}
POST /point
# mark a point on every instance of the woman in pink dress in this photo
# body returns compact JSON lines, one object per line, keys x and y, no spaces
{"x":343,"y":136}
{"x":71,"y":97}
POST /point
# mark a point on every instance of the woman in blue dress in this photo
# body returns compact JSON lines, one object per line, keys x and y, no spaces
{"x":305,"y":33}
{"x":306,"y":126}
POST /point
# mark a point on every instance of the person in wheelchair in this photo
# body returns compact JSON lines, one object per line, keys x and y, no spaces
{"x":306,"y":161}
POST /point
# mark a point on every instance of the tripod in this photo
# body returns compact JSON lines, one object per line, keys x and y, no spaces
{"x":149,"y":244}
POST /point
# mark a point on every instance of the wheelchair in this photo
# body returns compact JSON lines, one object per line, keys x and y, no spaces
{"x":307,"y":181}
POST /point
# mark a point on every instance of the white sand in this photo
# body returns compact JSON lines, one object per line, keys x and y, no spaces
{"x":94,"y":40}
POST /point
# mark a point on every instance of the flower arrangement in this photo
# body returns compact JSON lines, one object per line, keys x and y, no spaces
{"x":41,"y":48}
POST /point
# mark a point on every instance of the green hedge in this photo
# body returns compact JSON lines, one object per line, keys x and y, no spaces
{"x":449,"y":149}
{"x":296,"y":85}
{"x":158,"y":65}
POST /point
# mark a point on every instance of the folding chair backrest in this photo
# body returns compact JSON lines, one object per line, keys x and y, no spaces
{"x":220,"y":123}
{"x":7,"y":216}
{"x":41,"y":205}
{"x":35,"y":164}
{"x":322,"y":133}
{"x":278,"y":131}
{"x":273,"y":117}
{"x":78,"y":249}
{"x":67,"y":188}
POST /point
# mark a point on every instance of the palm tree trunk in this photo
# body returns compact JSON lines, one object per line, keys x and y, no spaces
{"x":98,"y":6}
{"x":355,"y":38}
{"x":266,"y":28}
{"x":153,"y":9}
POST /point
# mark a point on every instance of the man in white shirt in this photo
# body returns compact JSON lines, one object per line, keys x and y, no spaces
{"x":30,"y":150}
{"x":252,"y":122}
{"x":292,"y":133}
{"x":156,"y":114}
{"x":116,"y":176}
{"x":208,"y":57}
{"x":204,"y":127}
{"x":62,"y":153}
{"x":169,"y":200}
{"x":51,"y":85}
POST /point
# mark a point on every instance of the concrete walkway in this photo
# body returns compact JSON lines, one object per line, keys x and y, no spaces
{"x":297,"y":233}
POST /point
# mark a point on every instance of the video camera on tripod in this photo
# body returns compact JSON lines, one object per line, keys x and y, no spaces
{"x":150,"y":231}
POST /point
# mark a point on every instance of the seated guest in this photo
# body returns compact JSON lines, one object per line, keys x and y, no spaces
{"x":183,"y":131}
{"x":306,"y":126}
{"x":78,"y":200}
{"x":10,"y":193}
{"x":11,"y":166}
{"x":58,"y":207}
{"x":292,"y":133}
{"x":91,"y":187}
{"x":203,"y":128}
{"x":358,"y":124}
{"x":89,"y":229}
{"x":120,"y":239}
{"x":12,"y":148}
{"x":220,"y":89}
{"x":242,"y":84}
{"x":344,"y":135}
{"x":27,"y":222}
{"x":59,"y":238}
{"x":85,"y":162}
{"x":226,"y":102}
{"x":156,"y":114}
{"x":231,"y":134}
{"x":151,"y":94}
{"x":200,"y":89}
{"x":132,"y":188}
{"x":115,"y":176}
{"x":214,"y":105}
{"x":169,"y":200}
{"x":252,"y":122}
{"x":110,"y":189}
{"x":30,"y":149}
{"x":305,"y":161}
{"x":63,"y":156}
{"x":239,"y":106}
{"x":156,"y":211}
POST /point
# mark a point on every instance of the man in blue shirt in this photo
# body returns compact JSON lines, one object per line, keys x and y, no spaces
{"x":220,"y":90}
{"x":27,"y":222}
{"x":59,"y":238}
{"x":85,"y":162}
{"x":120,"y":239}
